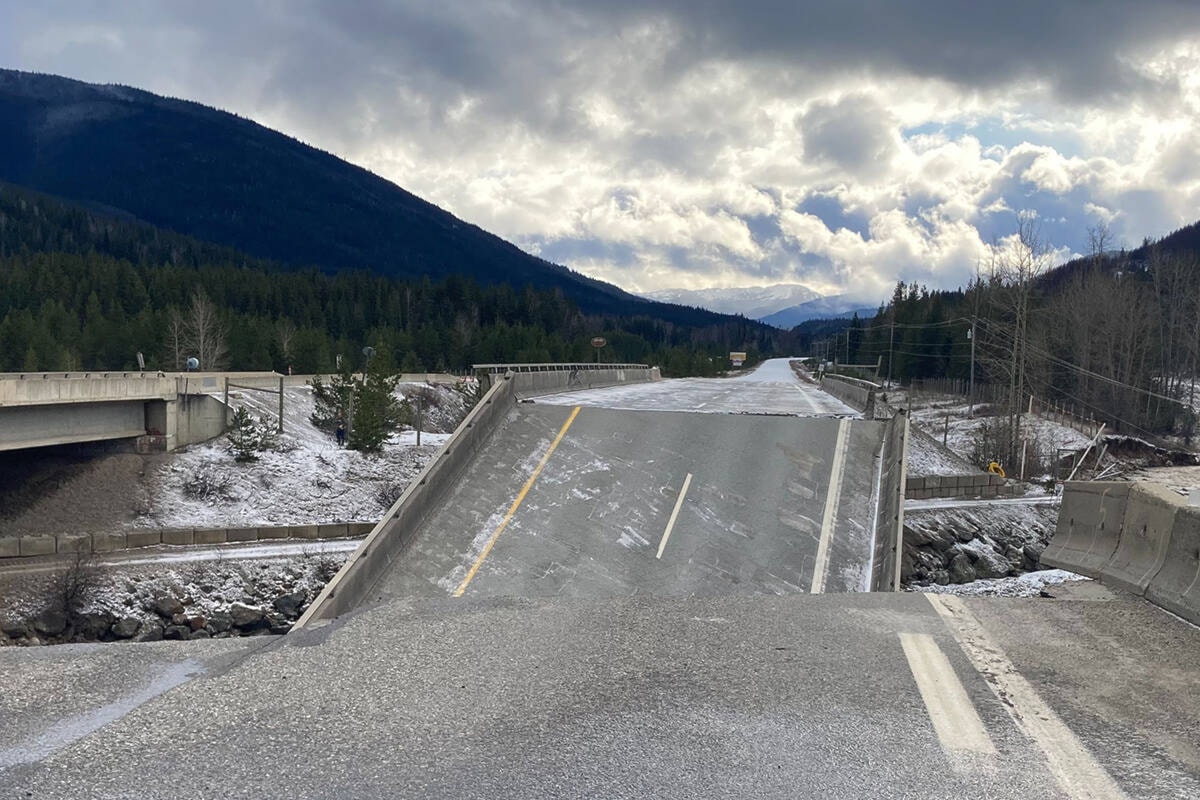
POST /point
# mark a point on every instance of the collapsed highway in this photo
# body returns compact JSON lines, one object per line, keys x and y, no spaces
{"x":606,"y":600}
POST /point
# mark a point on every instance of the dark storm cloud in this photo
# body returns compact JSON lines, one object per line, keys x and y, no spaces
{"x":1077,"y":46}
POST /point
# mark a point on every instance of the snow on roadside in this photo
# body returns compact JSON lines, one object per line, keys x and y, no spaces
{"x":1030,"y":584}
{"x":963,"y":429}
{"x":308,"y":479}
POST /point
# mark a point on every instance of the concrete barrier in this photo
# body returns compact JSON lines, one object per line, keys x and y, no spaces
{"x":1146,"y":530}
{"x":388,"y":538}
{"x":531,"y":384}
{"x":1176,"y":587}
{"x":1089,"y":526}
{"x":110,"y":542}
{"x":852,"y":391}
{"x":889,"y":517}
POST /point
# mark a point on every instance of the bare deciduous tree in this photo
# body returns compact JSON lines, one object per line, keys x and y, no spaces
{"x":199,"y":331}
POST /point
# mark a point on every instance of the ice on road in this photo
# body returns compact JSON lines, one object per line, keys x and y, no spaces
{"x":771,"y":388}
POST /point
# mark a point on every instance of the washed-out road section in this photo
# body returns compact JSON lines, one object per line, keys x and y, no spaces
{"x":588,"y":679}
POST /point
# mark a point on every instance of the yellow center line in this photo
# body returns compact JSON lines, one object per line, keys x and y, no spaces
{"x":487,"y":548}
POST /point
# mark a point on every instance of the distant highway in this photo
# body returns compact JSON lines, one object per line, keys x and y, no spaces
{"x":771,"y":388}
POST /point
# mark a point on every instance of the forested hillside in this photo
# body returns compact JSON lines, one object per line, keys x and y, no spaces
{"x":195,"y":170}
{"x":1114,"y":336}
{"x":81,"y":290}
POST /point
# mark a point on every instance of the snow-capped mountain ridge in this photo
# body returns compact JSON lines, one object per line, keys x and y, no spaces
{"x":753,"y":302}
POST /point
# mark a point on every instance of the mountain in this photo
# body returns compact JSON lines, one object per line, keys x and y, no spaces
{"x":752,"y":302}
{"x":218,"y":177}
{"x":832,"y":307}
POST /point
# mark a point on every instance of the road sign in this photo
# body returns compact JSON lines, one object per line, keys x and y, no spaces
{"x":599,"y":341}
{"x":737,"y":358}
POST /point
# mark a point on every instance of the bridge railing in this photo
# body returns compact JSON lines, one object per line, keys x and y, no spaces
{"x":588,"y":365}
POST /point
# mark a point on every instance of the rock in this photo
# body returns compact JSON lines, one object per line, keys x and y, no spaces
{"x":168,"y":606}
{"x":151,"y":630}
{"x":125,"y":627}
{"x":200,"y":634}
{"x":964,"y":534}
{"x":179,"y":619}
{"x":290,"y":604}
{"x":246,"y":617}
{"x":991,"y":564}
{"x":1033,"y":555}
{"x":280,"y":630}
{"x":50,"y":622}
{"x":176,"y":632}
{"x":941,"y":577}
{"x":220,"y":622}
{"x":13,"y":629}
{"x":95,"y":624}
{"x":197,"y":623}
{"x":961,"y":570}
{"x":222,"y":635}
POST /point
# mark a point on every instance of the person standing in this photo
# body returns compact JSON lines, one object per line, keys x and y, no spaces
{"x":341,"y":433}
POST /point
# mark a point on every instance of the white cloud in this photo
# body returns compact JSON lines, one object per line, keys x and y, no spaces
{"x":666,"y":143}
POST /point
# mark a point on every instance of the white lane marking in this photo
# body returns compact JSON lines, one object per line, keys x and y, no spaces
{"x":812,"y":404}
{"x":1077,"y":772}
{"x":675,"y":513}
{"x":954,"y":719}
{"x":821,"y":568}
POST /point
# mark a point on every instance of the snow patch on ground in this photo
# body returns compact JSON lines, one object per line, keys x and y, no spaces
{"x":1030,"y":584}
{"x":308,"y":479}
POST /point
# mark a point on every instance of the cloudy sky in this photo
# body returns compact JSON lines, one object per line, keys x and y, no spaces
{"x":842,"y":144}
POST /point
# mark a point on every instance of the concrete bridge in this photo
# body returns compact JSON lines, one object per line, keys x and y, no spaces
{"x":153,"y":410}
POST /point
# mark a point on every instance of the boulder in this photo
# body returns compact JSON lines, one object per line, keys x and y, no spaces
{"x":1033,"y":555}
{"x":12,"y":628}
{"x":197,"y":622}
{"x":991,"y":564}
{"x":50,"y":622}
{"x":961,"y":570}
{"x":220,"y":622}
{"x":168,"y":606}
{"x":246,"y":617}
{"x":176,"y":632}
{"x":125,"y":627}
{"x":94,"y":624}
{"x":200,"y":634}
{"x":290,"y":604}
{"x":151,"y":630}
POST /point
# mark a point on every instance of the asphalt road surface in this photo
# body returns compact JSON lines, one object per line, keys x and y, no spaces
{"x":636,"y":502}
{"x":577,"y":663}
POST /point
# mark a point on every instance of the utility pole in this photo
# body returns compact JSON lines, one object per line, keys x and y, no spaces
{"x":891,"y":342}
{"x":971,"y":389}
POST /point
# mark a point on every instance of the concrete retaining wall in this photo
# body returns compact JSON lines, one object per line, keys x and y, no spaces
{"x":979,"y":484}
{"x":52,"y":544}
{"x":1146,"y":529}
{"x":1140,"y":537}
{"x":389,"y":537}
{"x":1089,"y":526}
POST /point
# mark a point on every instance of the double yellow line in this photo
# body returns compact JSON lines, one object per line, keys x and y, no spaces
{"x":487,"y":548}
